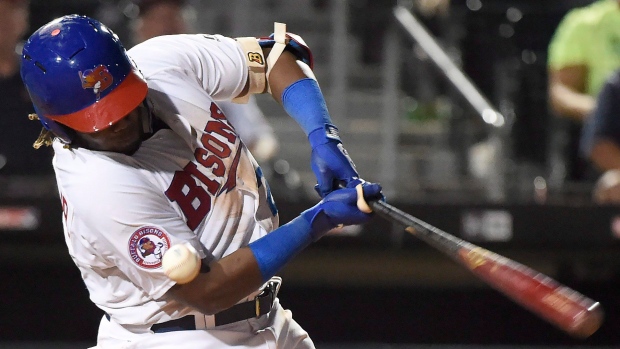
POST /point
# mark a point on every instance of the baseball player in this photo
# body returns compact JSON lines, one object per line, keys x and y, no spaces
{"x":145,"y":159}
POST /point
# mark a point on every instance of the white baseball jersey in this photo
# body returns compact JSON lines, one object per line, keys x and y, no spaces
{"x":248,"y":119}
{"x":194,"y":182}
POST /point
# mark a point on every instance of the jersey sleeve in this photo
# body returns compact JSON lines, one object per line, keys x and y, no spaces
{"x":214,"y":62}
{"x":569,"y":44}
{"x":248,"y":120}
{"x":137,"y":228}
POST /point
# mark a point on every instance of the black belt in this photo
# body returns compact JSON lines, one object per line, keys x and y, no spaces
{"x":261,"y":305}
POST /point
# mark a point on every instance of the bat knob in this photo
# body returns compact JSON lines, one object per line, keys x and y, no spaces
{"x":362,"y":205}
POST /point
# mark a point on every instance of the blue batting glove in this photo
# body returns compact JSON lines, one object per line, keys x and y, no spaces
{"x":340,"y":207}
{"x":330,"y":162}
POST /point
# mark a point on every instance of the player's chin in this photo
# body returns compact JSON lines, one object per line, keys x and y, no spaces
{"x":122,"y":143}
{"x":127,"y":143}
{"x":130,"y":148}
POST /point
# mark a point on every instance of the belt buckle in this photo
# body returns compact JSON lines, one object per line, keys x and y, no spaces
{"x":257,"y":305}
{"x":276,"y":282}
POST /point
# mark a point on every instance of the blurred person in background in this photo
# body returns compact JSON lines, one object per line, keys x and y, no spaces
{"x":168,"y":17}
{"x":17,"y":155}
{"x":600,"y":141}
{"x":159,"y":17}
{"x":583,"y":52}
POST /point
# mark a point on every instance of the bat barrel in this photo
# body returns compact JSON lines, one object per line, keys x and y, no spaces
{"x":565,"y":308}
{"x":588,"y":322}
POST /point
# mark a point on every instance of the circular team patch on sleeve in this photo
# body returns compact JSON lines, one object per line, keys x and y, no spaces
{"x":147,"y":246}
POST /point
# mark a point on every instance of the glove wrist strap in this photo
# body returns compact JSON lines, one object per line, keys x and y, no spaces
{"x":327,"y":133}
{"x":318,"y":220}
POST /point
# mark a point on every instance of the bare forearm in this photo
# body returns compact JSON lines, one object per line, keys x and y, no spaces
{"x":284,"y":73}
{"x":242,"y":272}
{"x":228,"y":281}
{"x":569,"y":103}
{"x":605,"y":155}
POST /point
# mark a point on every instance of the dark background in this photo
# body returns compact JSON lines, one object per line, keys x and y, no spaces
{"x":368,"y":288}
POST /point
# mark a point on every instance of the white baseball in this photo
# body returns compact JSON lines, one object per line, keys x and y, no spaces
{"x":181,"y":263}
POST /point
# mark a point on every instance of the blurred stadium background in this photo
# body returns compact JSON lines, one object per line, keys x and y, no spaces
{"x":497,"y":183}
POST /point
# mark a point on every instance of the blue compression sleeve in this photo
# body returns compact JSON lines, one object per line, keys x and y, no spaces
{"x":275,"y":249}
{"x":304,"y":102}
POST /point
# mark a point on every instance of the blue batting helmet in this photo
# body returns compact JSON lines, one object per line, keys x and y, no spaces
{"x":78,"y":74}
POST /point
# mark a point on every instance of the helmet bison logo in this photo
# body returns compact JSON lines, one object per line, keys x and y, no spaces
{"x":98,"y":78}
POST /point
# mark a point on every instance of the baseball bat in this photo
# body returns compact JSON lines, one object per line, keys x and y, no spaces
{"x":560,"y":305}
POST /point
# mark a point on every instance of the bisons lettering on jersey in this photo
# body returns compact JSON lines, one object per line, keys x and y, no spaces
{"x":191,"y":196}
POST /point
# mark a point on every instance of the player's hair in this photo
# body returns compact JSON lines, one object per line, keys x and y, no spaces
{"x":46,"y":137}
